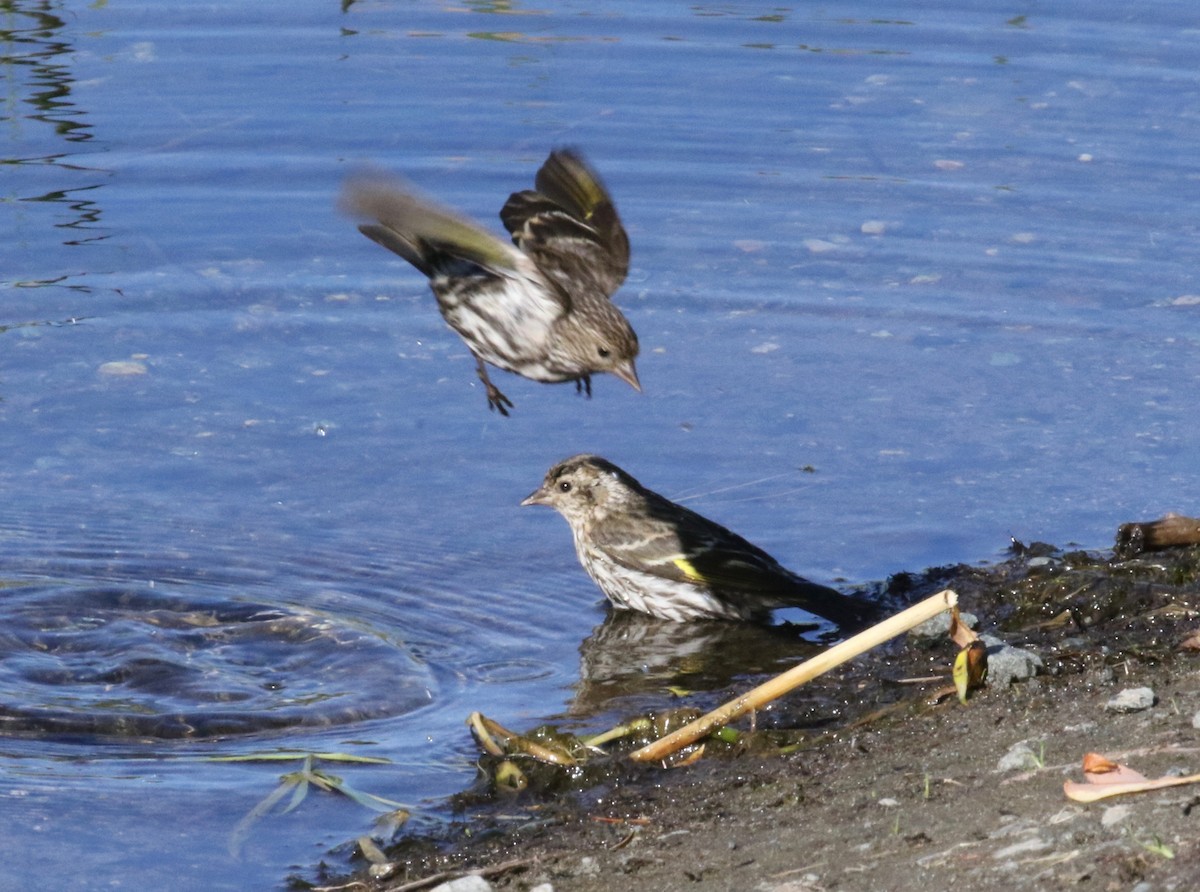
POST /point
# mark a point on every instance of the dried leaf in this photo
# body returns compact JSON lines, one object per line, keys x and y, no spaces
{"x":1094,"y":763}
{"x":959,"y":633}
{"x":970,"y":669}
{"x":1106,"y":778}
{"x":1101,"y":770}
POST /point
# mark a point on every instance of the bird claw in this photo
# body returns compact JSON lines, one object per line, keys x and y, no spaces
{"x":497,"y":400}
{"x":583,"y":384}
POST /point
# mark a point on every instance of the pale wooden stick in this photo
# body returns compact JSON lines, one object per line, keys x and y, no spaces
{"x":1090,"y":792}
{"x":798,"y":675}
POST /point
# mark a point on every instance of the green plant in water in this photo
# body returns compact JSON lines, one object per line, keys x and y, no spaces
{"x":298,"y":783}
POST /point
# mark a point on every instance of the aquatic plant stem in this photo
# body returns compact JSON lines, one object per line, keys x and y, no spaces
{"x":798,"y":675}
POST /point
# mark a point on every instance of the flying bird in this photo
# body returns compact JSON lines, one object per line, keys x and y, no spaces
{"x":539,"y":307}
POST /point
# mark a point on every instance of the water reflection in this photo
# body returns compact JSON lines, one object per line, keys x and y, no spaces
{"x":631,"y":654}
{"x":36,"y":50}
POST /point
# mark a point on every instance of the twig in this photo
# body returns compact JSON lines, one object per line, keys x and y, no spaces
{"x":798,"y":675}
{"x":499,"y":741}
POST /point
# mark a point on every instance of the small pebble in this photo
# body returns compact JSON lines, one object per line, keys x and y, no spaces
{"x":122,"y":368}
{"x":1115,"y":814}
{"x":1131,"y":700}
{"x":1007,"y":664}
{"x":819,"y":245}
{"x":1025,"y":847}
{"x":472,"y":883}
{"x":1020,"y":757}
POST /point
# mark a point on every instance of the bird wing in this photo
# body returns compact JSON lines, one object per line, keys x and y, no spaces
{"x":437,"y":240}
{"x":672,"y":542}
{"x":679,"y":545}
{"x":569,"y":226}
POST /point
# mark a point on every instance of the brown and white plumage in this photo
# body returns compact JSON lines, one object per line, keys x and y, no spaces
{"x":650,"y":554}
{"x":539,"y":306}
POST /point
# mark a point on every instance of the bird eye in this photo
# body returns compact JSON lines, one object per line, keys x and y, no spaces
{"x":565,"y":486}
{"x":603,"y":351}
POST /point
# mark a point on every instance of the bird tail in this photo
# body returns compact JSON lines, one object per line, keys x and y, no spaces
{"x":419,"y":229}
{"x":851,"y":613}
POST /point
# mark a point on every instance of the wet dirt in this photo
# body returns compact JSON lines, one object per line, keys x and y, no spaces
{"x":909,"y":789}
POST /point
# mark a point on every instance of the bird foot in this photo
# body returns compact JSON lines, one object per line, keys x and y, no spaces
{"x":583,"y":384}
{"x":497,"y":400}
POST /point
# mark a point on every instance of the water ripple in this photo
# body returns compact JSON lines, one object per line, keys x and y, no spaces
{"x":174,"y":661}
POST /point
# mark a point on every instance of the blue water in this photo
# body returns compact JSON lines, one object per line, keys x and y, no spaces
{"x":252,"y":496}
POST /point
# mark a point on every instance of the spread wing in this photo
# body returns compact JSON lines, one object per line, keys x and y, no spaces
{"x":441,"y":242}
{"x":569,"y":226}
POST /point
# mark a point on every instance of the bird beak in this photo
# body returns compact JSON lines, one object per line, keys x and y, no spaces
{"x":627,"y":373}
{"x":537,"y":497}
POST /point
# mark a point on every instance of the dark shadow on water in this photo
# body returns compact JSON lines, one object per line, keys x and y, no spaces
{"x":630,"y":656}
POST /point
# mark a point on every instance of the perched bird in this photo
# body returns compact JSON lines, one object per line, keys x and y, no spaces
{"x":647,"y":553}
{"x":538,"y":307}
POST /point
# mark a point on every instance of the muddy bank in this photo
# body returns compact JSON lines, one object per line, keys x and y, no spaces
{"x":874,"y":781}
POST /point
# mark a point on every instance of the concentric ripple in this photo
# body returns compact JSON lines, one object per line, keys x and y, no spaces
{"x":143,"y":661}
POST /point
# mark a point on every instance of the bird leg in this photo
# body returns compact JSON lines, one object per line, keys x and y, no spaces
{"x":583,"y":384}
{"x":496,"y":400}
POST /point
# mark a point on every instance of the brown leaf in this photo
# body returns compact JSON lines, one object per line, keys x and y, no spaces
{"x":959,"y":633}
{"x":1107,"y":778}
{"x":1094,"y":763}
{"x":1100,"y":770}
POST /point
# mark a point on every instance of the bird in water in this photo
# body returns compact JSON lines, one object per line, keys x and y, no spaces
{"x":539,"y":307}
{"x":650,"y":554}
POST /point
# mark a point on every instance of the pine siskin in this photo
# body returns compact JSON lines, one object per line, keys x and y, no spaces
{"x":540,"y":309}
{"x":647,"y":553}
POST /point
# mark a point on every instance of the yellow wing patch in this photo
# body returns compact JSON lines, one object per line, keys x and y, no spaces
{"x":687,"y":569}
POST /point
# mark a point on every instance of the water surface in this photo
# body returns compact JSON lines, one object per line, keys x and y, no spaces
{"x":907,"y":283}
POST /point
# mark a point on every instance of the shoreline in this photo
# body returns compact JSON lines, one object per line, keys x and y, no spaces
{"x":897,"y":789}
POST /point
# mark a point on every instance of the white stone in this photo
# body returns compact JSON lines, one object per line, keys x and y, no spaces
{"x":1131,"y":700}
